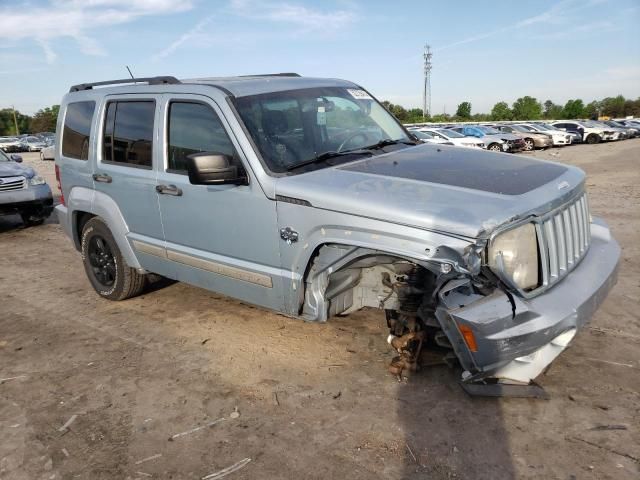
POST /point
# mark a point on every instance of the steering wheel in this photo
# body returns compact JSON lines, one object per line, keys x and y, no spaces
{"x":351,"y":137}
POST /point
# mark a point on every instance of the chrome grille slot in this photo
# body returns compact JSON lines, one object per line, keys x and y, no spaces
{"x":8,"y":184}
{"x":564,"y":238}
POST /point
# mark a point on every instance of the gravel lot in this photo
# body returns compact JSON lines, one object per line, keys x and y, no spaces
{"x":133,"y":381}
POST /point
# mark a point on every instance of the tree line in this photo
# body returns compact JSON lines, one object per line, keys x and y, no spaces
{"x":527,"y":108}
{"x":44,"y":120}
{"x":524,"y":108}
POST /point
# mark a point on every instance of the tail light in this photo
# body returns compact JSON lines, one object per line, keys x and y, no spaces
{"x":59,"y":185}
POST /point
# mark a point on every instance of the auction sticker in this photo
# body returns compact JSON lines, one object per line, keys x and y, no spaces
{"x":359,"y":94}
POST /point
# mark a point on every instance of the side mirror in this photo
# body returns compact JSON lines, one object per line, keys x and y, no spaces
{"x":208,"y":168}
{"x":16,"y":158}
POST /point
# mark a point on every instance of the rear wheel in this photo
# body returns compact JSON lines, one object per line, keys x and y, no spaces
{"x":593,"y":138}
{"x":109,"y":275}
{"x":528,"y":144}
{"x":495,"y":147}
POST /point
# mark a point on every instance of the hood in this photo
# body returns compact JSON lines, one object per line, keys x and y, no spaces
{"x":459,"y":191}
{"x":13,"y":169}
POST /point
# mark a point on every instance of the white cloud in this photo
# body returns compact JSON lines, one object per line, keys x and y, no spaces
{"x":293,"y":14}
{"x":300,"y":18}
{"x":77,"y":19}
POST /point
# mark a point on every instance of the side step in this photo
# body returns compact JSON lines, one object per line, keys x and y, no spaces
{"x":532,"y":390}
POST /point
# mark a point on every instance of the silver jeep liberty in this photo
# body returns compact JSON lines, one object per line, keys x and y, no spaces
{"x":305,"y":196}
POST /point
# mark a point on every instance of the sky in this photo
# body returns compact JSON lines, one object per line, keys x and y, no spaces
{"x":483,"y":52}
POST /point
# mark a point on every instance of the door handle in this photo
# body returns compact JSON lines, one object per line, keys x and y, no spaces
{"x":102,"y":177}
{"x":169,"y":190}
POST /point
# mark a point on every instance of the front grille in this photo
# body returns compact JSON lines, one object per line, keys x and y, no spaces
{"x":564,"y":238}
{"x":8,"y":184}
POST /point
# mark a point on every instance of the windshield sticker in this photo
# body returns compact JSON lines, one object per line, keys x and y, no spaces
{"x":359,"y":94}
{"x":321,"y":118}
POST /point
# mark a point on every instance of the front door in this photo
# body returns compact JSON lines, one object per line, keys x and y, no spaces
{"x":220,"y":237}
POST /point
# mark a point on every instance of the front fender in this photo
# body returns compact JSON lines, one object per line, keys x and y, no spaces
{"x":317,"y":227}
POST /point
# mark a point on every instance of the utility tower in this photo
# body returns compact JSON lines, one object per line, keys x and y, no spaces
{"x":426,"y":95}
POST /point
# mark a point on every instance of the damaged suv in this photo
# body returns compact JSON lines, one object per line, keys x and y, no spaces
{"x":305,"y":196}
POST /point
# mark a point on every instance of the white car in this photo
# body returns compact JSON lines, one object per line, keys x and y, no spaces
{"x":47,"y":153}
{"x":454,"y":138}
{"x":428,"y":137}
{"x":558,"y":136}
{"x":591,"y":133}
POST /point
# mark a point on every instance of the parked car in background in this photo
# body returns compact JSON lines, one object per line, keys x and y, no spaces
{"x":589,"y":133}
{"x":493,"y":139}
{"x":532,"y":140}
{"x":426,"y":137}
{"x":558,"y":137}
{"x":629,"y":123}
{"x":47,"y":153}
{"x":33,"y":144}
{"x":455,"y":138}
{"x":453,"y":244}
{"x":23,"y":191}
{"x":625,"y":132}
{"x":10,"y":144}
{"x":617,"y":133}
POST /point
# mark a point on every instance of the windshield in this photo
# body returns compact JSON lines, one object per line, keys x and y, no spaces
{"x":528,"y":128}
{"x":3,"y":157}
{"x":422,"y":135}
{"x":519,"y":128}
{"x":450,"y":133}
{"x":488,"y":130}
{"x":293,"y":127}
{"x":544,"y":126}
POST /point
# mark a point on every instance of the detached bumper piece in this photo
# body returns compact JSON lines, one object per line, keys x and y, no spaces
{"x":503,"y":339}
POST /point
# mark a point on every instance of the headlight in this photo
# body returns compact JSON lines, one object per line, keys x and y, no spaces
{"x":36,"y":180}
{"x":514,"y":253}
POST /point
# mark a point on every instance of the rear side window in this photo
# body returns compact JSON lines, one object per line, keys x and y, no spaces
{"x":77,"y":125}
{"x":193,"y":128}
{"x":128,"y":133}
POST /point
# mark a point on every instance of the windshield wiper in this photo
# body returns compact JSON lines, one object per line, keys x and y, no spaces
{"x":323,"y":157}
{"x":388,"y":141}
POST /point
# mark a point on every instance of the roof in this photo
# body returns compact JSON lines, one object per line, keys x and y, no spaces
{"x":236,"y":86}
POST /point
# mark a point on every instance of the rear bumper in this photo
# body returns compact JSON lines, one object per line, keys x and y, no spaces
{"x":517,"y":344}
{"x":63,"y":219}
{"x":32,"y":199}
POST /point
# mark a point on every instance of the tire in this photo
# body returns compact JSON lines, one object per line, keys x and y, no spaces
{"x":592,"y":139}
{"x":495,"y":147}
{"x":30,"y":220}
{"x":107,"y":271}
{"x":529,"y":145}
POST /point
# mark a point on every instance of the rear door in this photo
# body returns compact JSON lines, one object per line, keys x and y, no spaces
{"x":221,"y":237}
{"x":124,"y":172}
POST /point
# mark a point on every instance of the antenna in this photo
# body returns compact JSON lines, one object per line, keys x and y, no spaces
{"x":129,"y":70}
{"x":426,"y":94}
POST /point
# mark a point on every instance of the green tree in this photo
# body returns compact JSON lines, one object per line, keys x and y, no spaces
{"x":464,"y":111}
{"x":592,"y":110}
{"x":632,"y":107}
{"x":45,"y":119}
{"x":501,"y":111}
{"x":527,"y":108}
{"x":551,"y":110}
{"x":7,"y":124}
{"x":613,"y":107}
{"x":573,"y":109}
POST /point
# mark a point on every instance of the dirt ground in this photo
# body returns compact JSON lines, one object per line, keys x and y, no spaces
{"x":133,"y":381}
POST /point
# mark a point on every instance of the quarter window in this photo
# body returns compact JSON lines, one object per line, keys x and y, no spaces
{"x":194,"y":128}
{"x":128,"y":133}
{"x":77,"y":126}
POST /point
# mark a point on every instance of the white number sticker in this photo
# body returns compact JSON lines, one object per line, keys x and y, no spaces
{"x":359,"y":94}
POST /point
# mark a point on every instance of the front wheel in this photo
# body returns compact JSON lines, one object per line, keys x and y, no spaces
{"x":495,"y":147}
{"x":593,"y":139}
{"x":109,"y":275}
{"x":528,"y":144}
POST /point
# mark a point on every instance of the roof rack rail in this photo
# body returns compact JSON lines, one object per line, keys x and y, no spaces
{"x":285,"y":74}
{"x":148,"y":80}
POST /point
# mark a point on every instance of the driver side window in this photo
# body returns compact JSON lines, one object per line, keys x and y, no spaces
{"x":193,"y":128}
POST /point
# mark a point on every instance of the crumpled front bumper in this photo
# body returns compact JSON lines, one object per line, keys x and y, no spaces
{"x":517,"y":338}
